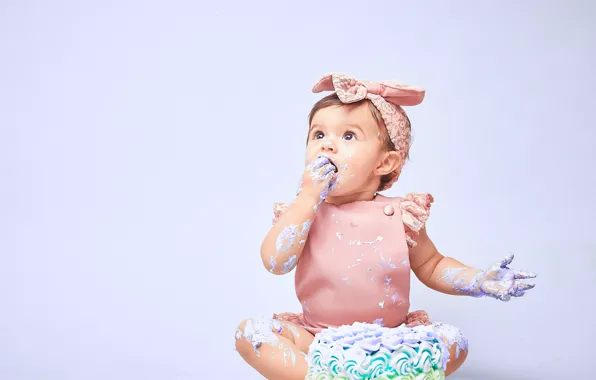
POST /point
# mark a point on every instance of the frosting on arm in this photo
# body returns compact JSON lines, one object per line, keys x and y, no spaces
{"x":278,"y":210}
{"x":284,"y":242}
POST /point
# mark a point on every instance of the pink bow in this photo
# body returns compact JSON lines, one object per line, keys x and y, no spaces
{"x":387,"y":97}
{"x":350,"y":90}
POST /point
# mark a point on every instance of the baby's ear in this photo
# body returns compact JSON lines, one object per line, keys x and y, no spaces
{"x":390,"y":161}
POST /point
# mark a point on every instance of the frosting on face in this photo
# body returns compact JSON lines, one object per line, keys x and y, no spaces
{"x":369,"y":351}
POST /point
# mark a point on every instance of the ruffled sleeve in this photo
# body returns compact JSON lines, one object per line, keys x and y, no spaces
{"x":278,"y":210}
{"x":415,"y":209}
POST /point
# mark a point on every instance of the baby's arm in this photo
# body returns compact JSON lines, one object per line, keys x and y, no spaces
{"x":449,"y":276}
{"x":284,"y":243}
{"x":428,"y":265}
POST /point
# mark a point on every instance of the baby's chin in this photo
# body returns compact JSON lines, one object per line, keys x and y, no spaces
{"x":341,"y":193}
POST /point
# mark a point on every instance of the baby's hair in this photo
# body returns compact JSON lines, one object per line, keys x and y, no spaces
{"x":333,"y":100}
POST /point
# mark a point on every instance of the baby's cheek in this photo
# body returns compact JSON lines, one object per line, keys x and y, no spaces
{"x":349,"y":171}
{"x":349,"y":157}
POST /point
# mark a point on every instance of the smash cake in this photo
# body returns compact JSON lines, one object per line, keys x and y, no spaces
{"x":365,"y":351}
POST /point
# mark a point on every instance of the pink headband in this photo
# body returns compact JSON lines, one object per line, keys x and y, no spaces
{"x":387,"y":97}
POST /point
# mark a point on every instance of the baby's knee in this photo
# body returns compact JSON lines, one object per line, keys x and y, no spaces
{"x":251,"y":333}
{"x":457,"y":346}
{"x":453,"y":336}
{"x":243,"y":341}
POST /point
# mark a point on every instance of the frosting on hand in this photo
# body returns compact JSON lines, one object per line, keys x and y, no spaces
{"x":499,"y":281}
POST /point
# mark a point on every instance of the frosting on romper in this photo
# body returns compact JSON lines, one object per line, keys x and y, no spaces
{"x":355,"y":264}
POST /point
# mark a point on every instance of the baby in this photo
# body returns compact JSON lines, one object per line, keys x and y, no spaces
{"x":353,"y":248}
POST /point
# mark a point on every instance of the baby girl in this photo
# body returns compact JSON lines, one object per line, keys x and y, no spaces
{"x":353,"y":248}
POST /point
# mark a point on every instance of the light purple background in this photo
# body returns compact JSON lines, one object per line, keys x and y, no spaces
{"x":142,"y":145}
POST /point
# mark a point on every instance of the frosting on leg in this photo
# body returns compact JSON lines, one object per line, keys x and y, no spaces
{"x":273,"y":348}
{"x":457,"y":343}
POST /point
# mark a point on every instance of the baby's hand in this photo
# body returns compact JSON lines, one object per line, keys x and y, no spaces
{"x":502,"y":283}
{"x":317,"y":179}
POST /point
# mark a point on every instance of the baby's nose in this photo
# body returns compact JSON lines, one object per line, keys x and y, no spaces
{"x":328,"y":146}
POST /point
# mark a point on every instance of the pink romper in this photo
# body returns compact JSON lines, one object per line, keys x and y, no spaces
{"x":355,"y":265}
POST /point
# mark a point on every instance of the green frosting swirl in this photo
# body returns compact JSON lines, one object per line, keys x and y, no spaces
{"x":416,"y":361}
{"x":368,"y":351}
{"x":408,"y":362}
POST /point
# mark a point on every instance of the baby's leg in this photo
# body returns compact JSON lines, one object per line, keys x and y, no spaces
{"x":458,"y":345}
{"x":277,"y":350}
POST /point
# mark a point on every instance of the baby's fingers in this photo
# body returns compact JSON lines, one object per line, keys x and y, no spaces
{"x":520,"y":288}
{"x":521,"y":275}
{"x":329,"y":177}
{"x":318,"y":162}
{"x":328,"y":168}
{"x":506,"y":261}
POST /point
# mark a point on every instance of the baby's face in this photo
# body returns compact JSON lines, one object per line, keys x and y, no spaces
{"x":351,"y":138}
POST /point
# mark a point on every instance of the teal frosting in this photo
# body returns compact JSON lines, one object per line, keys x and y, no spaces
{"x":363,"y":352}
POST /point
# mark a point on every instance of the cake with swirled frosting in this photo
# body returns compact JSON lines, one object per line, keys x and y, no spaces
{"x":365,"y":351}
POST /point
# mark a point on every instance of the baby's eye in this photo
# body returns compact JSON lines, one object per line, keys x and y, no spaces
{"x":349,"y":136}
{"x":318,"y":135}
